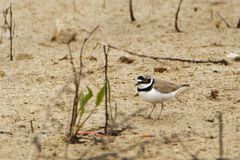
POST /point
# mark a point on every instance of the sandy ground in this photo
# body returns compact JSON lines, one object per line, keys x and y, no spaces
{"x":38,"y":86}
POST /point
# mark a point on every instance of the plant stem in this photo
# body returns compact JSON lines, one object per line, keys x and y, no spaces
{"x":131,"y":11}
{"x":222,"y":61}
{"x":11,"y":33}
{"x":176,"y":16}
{"x":106,"y":88}
{"x":77,"y":82}
{"x":76,"y":96}
{"x":220,"y":136}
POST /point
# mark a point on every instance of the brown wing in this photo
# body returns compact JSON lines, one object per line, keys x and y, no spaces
{"x":165,"y":87}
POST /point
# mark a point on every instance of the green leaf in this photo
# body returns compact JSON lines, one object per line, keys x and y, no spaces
{"x":84,"y":100}
{"x":100,"y":96}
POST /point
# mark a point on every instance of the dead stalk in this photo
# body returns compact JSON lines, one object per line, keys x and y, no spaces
{"x":31,"y":124}
{"x":11,"y":34}
{"x":9,"y":26}
{"x":220,"y":136}
{"x":131,"y":11}
{"x":176,"y":16}
{"x":238,"y":25}
{"x":222,"y":61}
{"x":106,"y":49}
{"x":77,"y":82}
{"x":227,"y":24}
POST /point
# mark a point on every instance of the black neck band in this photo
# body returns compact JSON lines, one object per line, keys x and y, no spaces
{"x":146,"y":89}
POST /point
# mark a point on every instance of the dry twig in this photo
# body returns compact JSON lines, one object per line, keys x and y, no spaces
{"x":31,"y":124}
{"x":131,"y":11}
{"x":238,"y":25}
{"x":176,"y":16}
{"x":222,"y":61}
{"x":8,"y":25}
{"x":77,"y":82}
{"x":227,"y":24}
{"x":220,"y":136}
{"x":106,"y":50}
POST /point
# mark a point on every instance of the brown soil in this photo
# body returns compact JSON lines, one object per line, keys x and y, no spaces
{"x":38,"y":85}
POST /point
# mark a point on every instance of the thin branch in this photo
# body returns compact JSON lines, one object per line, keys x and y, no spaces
{"x":9,"y":26}
{"x":238,"y":25}
{"x":220,"y":136}
{"x":6,"y":24}
{"x":71,"y":62}
{"x":176,"y":16}
{"x":85,"y":41}
{"x":81,"y":50}
{"x":227,"y":24}
{"x":76,"y":95}
{"x":106,"y":49}
{"x":11,"y":32}
{"x":77,"y":82}
{"x":131,"y":11}
{"x":80,"y":73}
{"x":31,"y":124}
{"x":222,"y":61}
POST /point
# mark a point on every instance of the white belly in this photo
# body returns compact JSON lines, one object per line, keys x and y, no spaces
{"x":154,"y":96}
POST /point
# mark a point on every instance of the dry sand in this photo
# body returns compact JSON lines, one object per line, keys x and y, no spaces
{"x":37,"y":86}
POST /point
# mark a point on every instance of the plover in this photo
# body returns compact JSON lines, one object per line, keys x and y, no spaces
{"x":157,"y":91}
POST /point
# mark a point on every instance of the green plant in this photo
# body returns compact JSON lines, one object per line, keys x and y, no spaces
{"x":80,"y":100}
{"x":83,"y":101}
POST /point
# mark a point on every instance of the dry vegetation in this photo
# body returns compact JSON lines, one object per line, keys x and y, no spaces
{"x":69,"y":56}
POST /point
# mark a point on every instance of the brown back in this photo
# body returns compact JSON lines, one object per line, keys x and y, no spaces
{"x":165,"y":87}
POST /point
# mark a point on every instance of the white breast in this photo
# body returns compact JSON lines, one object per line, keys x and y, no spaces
{"x":154,"y":96}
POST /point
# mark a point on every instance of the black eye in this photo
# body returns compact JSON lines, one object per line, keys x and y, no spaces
{"x":145,"y":80}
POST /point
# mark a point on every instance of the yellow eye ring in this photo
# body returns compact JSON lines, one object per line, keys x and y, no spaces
{"x":145,"y":80}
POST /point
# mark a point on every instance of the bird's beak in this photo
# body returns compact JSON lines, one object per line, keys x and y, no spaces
{"x":138,"y":82}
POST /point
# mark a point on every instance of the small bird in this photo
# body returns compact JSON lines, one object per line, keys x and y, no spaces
{"x":157,"y":91}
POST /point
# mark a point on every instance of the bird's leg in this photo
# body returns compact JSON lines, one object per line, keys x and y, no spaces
{"x":160,"y":111}
{"x":149,"y":116}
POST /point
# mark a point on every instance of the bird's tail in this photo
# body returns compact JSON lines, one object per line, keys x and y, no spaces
{"x":182,"y":89}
